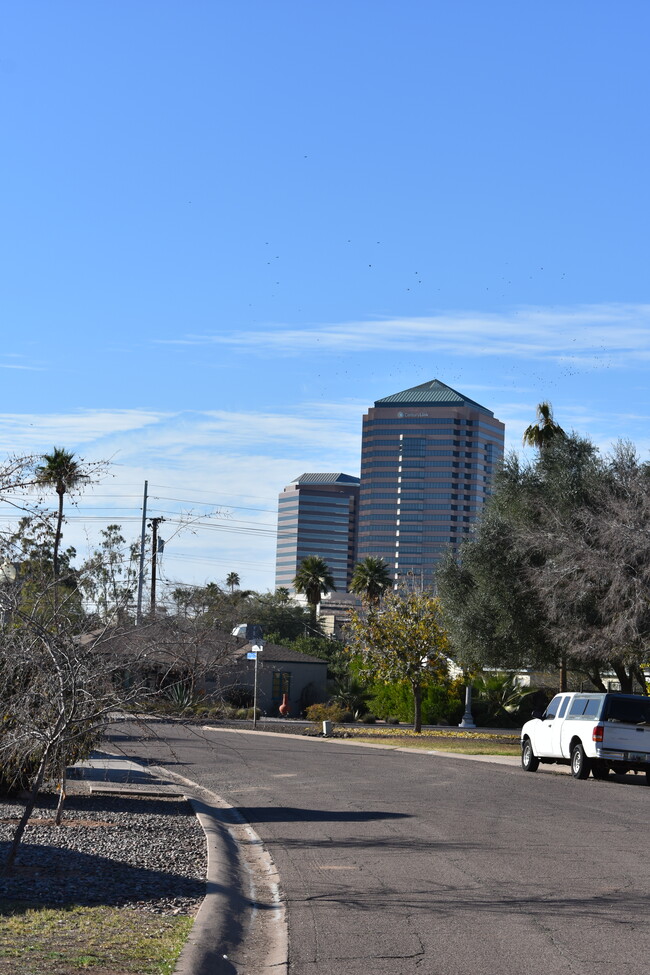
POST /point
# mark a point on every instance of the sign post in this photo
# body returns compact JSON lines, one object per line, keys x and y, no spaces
{"x":252,"y":655}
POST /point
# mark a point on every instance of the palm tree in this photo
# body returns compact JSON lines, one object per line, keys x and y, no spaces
{"x":232,"y":580}
{"x":62,"y":472}
{"x":314,"y":579}
{"x":541,"y":433}
{"x":370,"y":579}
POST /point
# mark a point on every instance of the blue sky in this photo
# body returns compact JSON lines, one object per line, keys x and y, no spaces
{"x":229,"y":227}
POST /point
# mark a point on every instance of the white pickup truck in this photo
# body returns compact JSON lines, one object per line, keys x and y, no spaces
{"x":595,"y":733}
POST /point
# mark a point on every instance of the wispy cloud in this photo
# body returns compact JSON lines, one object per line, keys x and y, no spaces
{"x":26,"y":432}
{"x":592,"y":336}
{"x":11,"y":360}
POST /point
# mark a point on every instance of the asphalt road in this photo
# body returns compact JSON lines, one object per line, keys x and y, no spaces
{"x":413,"y":863}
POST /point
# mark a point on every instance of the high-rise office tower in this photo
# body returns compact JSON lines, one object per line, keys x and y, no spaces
{"x":317,"y":516}
{"x":427,"y":459}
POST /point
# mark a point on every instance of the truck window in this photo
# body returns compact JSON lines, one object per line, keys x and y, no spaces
{"x":592,"y":707}
{"x":578,"y":707}
{"x":628,"y":710}
{"x":563,"y":705}
{"x":551,"y":710}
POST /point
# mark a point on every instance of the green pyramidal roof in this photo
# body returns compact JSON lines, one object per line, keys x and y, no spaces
{"x":433,"y":393}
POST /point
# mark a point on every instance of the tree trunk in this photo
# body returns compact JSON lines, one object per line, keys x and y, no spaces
{"x":593,"y":674}
{"x":57,"y":537}
{"x":640,"y":677}
{"x":29,"y":808}
{"x":625,"y":679}
{"x":563,"y":672}
{"x":62,"y":796}
{"x":417,"y":706}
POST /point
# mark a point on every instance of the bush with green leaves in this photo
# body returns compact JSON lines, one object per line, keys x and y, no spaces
{"x":500,"y":701}
{"x":441,"y":703}
{"x":325,"y":712}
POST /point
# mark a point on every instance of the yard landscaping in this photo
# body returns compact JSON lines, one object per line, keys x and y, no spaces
{"x":112,"y":891}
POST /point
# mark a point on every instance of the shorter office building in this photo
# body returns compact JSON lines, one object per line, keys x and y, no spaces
{"x":317,"y":516}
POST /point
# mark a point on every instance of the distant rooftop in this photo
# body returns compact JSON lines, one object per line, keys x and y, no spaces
{"x":326,"y":479}
{"x":433,"y":393}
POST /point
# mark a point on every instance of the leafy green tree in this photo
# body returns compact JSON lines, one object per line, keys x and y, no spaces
{"x":327,"y":648}
{"x":403,"y":642}
{"x":370,"y":579}
{"x":314,"y":579}
{"x":560,"y":561}
{"x":282,"y":621}
{"x":62,"y":472}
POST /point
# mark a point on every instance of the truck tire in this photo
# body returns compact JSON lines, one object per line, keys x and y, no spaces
{"x":580,"y":765}
{"x":529,"y":761}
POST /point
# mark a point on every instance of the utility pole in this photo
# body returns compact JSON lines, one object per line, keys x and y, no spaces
{"x":154,"y":561}
{"x":138,"y":612}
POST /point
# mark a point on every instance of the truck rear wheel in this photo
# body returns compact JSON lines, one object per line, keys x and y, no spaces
{"x":580,"y":766}
{"x":529,"y":761}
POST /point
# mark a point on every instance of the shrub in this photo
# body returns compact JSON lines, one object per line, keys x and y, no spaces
{"x":392,"y":720}
{"x":325,"y":712}
{"x":441,"y":703}
{"x":368,"y":719}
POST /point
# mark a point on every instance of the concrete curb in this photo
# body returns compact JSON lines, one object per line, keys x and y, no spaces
{"x":231,"y":919}
{"x":217,"y":927}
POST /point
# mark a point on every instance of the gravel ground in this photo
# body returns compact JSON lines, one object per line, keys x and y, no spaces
{"x":147,"y":853}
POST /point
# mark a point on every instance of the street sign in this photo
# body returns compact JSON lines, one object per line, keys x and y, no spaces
{"x":251,"y":656}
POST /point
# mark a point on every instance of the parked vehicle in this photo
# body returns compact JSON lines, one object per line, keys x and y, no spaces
{"x":595,"y":733}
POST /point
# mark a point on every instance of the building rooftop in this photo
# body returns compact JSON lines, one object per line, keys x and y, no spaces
{"x":275,"y":653}
{"x":433,"y":393}
{"x":326,"y":479}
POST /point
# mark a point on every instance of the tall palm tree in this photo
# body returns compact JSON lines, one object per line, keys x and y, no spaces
{"x":232,"y":580}
{"x":314,"y":579}
{"x":370,"y":579}
{"x":541,"y":433}
{"x":62,"y":472}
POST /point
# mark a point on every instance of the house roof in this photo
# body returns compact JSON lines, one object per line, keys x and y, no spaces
{"x":277,"y":654}
{"x":433,"y":393}
{"x":326,"y":479}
